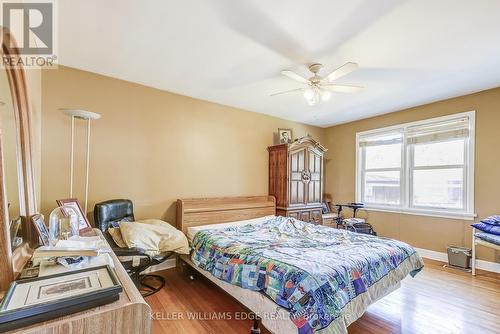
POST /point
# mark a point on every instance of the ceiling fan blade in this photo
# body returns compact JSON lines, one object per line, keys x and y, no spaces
{"x":342,"y":88}
{"x":341,"y":71}
{"x":288,"y":91}
{"x":261,"y":27}
{"x":294,"y":76}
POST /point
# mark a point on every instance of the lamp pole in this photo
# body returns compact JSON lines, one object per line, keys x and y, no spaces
{"x":87,"y":116}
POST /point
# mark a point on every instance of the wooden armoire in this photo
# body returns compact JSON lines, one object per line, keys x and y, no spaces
{"x":296,"y":178}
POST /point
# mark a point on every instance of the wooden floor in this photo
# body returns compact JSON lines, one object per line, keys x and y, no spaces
{"x":437,"y":300}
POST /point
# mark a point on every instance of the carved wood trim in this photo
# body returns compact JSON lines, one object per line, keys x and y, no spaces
{"x":26,"y":180}
{"x":309,"y":142}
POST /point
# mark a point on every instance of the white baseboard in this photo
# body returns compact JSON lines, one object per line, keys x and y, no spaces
{"x":433,"y":255}
{"x":443,"y":257}
{"x":170,"y":263}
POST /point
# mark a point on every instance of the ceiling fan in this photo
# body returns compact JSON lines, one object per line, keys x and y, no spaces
{"x":319,"y":88}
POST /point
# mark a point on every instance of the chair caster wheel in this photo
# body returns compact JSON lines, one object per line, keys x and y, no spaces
{"x":256,"y":326}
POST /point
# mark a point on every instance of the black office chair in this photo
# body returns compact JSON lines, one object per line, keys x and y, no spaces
{"x":110,"y":214}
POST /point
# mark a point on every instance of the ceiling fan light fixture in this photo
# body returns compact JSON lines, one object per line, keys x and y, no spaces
{"x":314,"y":97}
{"x":309,"y":93}
{"x":325,"y":95}
{"x":319,"y":87}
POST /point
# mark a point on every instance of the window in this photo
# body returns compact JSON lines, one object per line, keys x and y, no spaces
{"x":423,"y":167}
{"x":382,"y":168}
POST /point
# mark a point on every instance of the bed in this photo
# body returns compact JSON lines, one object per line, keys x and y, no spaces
{"x":259,"y":259}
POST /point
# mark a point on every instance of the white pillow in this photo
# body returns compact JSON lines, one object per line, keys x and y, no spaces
{"x":154,"y":236}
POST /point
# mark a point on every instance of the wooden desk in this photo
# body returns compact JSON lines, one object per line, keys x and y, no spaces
{"x":130,"y":314}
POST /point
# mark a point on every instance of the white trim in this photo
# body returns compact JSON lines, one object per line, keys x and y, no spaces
{"x":170,"y":263}
{"x":471,"y":163}
{"x":473,"y":260}
{"x":433,"y":255}
{"x":426,"y":213}
{"x":407,"y":166}
{"x":443,"y":257}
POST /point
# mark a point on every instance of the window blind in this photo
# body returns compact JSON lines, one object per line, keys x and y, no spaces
{"x":441,"y":131}
{"x":381,"y":139}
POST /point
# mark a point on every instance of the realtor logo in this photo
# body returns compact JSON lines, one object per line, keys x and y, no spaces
{"x":33,"y":26}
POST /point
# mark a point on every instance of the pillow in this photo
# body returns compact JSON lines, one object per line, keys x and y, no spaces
{"x":154,"y":236}
{"x":493,"y":220}
{"x":494,"y":239}
{"x":117,"y":237}
{"x":493,"y":229}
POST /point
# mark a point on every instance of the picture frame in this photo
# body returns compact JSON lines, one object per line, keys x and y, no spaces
{"x":15,"y":225}
{"x":29,"y":272}
{"x":325,"y":208}
{"x":83,"y":222}
{"x":40,"y":299}
{"x":285,"y":136}
{"x":43,"y":233}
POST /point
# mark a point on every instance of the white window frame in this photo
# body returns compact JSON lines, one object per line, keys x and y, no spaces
{"x":362,"y":170}
{"x":406,"y":181}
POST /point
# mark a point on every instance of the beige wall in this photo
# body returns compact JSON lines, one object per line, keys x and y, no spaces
{"x":425,"y":232}
{"x":152,"y":146}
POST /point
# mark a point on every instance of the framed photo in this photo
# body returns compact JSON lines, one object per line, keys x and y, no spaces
{"x":285,"y":136}
{"x":325,"y":208}
{"x":41,"y":229}
{"x":29,"y":272}
{"x":15,"y":224}
{"x":39,"y":299}
{"x":83,"y":222}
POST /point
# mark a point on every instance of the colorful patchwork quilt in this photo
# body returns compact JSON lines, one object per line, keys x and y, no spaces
{"x":310,"y":270}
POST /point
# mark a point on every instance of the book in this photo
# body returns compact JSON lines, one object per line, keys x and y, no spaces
{"x":60,"y":251}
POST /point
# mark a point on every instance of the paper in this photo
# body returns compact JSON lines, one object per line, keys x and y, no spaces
{"x":50,"y":267}
{"x":78,"y":242}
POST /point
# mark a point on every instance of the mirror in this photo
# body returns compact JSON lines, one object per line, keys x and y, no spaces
{"x":9,"y":150}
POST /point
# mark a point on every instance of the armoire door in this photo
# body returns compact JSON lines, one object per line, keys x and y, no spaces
{"x":297,"y":184}
{"x":314,"y":186}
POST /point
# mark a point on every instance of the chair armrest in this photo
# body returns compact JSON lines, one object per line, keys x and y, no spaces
{"x":129,"y":251}
{"x":160,"y":258}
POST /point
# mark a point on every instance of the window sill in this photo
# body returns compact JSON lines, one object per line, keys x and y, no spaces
{"x":428,"y":213}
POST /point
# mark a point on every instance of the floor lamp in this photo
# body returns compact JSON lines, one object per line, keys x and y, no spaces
{"x":86,"y":116}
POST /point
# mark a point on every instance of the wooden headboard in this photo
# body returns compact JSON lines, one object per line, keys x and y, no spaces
{"x":205,"y":211}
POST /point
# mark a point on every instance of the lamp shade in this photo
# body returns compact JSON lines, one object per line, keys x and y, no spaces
{"x":80,"y":113}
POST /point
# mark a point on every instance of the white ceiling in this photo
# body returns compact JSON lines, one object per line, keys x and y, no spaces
{"x":410,"y":52}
